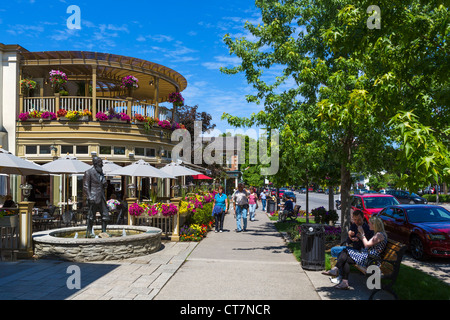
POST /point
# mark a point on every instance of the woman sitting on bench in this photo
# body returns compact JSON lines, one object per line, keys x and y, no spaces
{"x":373,"y":247}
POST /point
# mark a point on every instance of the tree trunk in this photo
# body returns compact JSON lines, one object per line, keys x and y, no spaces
{"x":346,"y":182}
{"x":330,"y":198}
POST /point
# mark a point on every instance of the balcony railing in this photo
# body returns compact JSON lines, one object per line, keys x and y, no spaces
{"x":128,"y":106}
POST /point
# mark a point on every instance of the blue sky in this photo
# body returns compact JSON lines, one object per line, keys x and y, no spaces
{"x":183,"y":35}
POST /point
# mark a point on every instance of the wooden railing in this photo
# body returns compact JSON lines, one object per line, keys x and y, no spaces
{"x":128,"y":106}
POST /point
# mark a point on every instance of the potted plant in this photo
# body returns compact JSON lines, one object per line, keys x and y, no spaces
{"x":129,"y":83}
{"x":9,"y":219}
{"x":24,"y":116}
{"x":101,"y":116}
{"x":57,"y":79}
{"x":28,"y":85}
{"x":46,"y":115}
{"x":176,"y":98}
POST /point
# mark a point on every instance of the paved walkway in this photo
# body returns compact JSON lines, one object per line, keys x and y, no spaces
{"x":248,"y":265}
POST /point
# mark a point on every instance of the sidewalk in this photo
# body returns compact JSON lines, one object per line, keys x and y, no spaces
{"x":253,"y":265}
{"x":248,"y":265}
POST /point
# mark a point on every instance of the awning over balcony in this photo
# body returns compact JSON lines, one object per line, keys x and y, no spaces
{"x":110,"y":69}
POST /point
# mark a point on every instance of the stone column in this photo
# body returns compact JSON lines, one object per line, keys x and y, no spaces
{"x":176,"y":221}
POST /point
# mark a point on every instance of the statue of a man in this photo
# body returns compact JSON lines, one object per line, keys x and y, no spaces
{"x":94,"y":184}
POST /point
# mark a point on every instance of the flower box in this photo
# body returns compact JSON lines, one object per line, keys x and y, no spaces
{"x":82,"y":118}
{"x":9,"y":221}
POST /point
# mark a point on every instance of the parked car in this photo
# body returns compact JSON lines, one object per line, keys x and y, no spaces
{"x":289,"y":194}
{"x":302,"y":190}
{"x":424,"y":228}
{"x":371,"y":203}
{"x":407,"y":198}
{"x":319,"y":190}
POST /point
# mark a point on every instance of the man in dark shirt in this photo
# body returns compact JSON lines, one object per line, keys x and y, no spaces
{"x":358,"y":220}
{"x":289,"y":205}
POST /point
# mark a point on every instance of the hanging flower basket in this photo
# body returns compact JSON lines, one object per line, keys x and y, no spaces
{"x":130,"y":83}
{"x":176,"y":98}
{"x":57,"y":79}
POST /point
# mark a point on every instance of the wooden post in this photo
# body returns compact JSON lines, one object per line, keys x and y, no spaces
{"x":156,"y":94}
{"x":57,"y":101}
{"x":129,"y":106}
{"x":25,"y":230}
{"x":131,"y":219}
{"x":94,"y":93}
{"x":21,"y":103}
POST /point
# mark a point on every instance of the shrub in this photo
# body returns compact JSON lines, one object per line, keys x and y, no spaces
{"x":321,"y":215}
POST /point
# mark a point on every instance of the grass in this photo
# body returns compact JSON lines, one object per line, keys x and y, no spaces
{"x":411,"y":284}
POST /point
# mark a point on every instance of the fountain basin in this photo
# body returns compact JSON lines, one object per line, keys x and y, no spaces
{"x":54,"y":244}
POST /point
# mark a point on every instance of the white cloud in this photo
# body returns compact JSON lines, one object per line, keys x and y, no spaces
{"x":222,"y":61}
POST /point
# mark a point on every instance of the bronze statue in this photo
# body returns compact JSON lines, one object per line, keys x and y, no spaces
{"x":94,"y":184}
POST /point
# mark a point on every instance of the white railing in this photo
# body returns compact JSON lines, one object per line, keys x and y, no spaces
{"x":39,"y":104}
{"x":164,"y":114}
{"x":105,"y":104}
{"x":143,"y":109}
{"x":75,"y":103}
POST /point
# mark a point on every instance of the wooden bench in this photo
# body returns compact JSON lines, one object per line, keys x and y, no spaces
{"x":283,"y":215}
{"x":389,"y":264}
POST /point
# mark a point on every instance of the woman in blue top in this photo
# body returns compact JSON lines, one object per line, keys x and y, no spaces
{"x":220,"y":202}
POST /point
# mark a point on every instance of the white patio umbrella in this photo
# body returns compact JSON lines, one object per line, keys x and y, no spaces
{"x":11,"y":164}
{"x":177,"y":170}
{"x":66,"y":165}
{"x":141,"y":169}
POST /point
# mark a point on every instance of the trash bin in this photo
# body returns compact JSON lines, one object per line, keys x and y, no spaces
{"x":271,"y":207}
{"x":313,"y":246}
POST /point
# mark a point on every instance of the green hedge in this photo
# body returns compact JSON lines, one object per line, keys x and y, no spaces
{"x":432,"y":197}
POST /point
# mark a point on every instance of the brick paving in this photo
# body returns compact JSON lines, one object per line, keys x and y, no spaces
{"x":138,"y":278}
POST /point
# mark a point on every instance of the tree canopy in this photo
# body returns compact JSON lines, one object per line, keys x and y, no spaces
{"x":347,"y":96}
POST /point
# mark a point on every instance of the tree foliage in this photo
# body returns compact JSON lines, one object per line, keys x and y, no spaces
{"x":347,"y":96}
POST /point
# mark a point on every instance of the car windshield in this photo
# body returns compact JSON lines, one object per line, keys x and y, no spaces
{"x":421,"y":214}
{"x":379,"y":202}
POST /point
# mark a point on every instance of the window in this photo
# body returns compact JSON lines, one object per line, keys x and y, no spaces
{"x":119,"y":151}
{"x":45,"y":149}
{"x":139,"y":151}
{"x":31,"y":149}
{"x":105,"y":150}
{"x":82,"y":149}
{"x":66,"y":150}
{"x":150,"y":152}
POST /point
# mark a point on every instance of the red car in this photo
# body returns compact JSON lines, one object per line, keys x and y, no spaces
{"x":371,"y":203}
{"x":424,"y":228}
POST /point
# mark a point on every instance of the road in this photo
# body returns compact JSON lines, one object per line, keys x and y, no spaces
{"x":316,"y":200}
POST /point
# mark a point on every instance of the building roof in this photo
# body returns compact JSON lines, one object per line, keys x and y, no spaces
{"x":110,"y":69}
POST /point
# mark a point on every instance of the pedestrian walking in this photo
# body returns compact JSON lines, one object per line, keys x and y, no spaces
{"x":252,"y":203}
{"x":220,"y":208}
{"x":240,"y":202}
{"x":263,"y":198}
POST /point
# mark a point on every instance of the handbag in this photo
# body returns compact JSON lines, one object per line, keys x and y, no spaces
{"x":217,"y":210}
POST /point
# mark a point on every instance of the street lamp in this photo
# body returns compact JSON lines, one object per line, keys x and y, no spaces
{"x":26,"y":190}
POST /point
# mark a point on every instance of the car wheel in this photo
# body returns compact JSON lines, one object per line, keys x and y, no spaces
{"x":416,"y":247}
